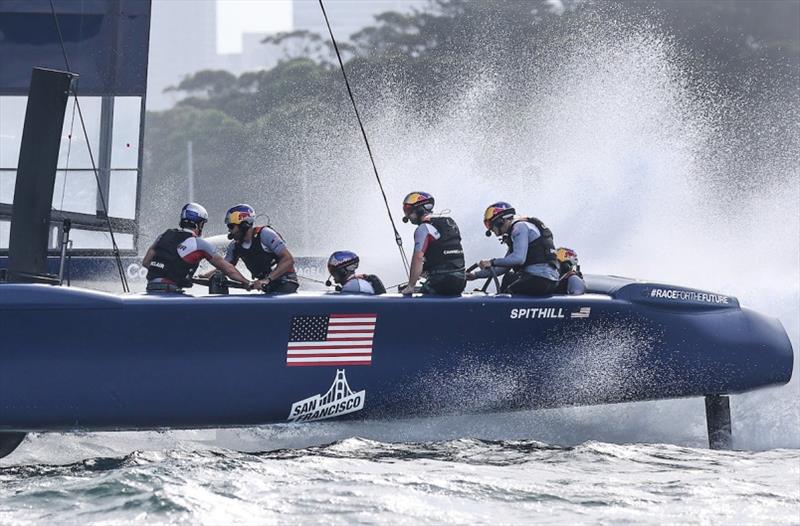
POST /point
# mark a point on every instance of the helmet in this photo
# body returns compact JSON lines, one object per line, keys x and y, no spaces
{"x":417,"y":203}
{"x":341,"y":263}
{"x":495,"y":211}
{"x":242,"y":214}
{"x":567,"y":259}
{"x":193,"y":215}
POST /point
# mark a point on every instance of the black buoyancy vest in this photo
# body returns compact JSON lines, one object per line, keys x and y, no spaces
{"x":375,"y":281}
{"x":167,"y":263}
{"x":257,"y":260}
{"x":540,"y":250}
{"x":446,"y":253}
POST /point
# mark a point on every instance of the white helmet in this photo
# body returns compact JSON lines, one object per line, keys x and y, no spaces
{"x":193,"y":215}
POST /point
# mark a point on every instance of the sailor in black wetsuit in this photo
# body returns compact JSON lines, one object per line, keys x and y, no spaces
{"x":173,"y":259}
{"x":438,"y":253}
{"x":263,"y":251}
{"x":530,"y":265}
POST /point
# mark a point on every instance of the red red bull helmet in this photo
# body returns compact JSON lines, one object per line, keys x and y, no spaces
{"x":242,"y":214}
{"x":496,"y":211}
{"x":417,"y":204}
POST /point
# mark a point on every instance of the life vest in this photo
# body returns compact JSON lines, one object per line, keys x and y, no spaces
{"x":257,"y":260}
{"x":167,"y":263}
{"x":375,"y":281}
{"x":540,"y":250}
{"x":445,"y":254}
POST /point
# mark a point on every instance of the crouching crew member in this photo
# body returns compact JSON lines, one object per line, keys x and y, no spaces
{"x":530,"y":265}
{"x":173,"y":259}
{"x":438,"y":254}
{"x":342,"y":266}
{"x":263,"y":251}
{"x":571,"y":281}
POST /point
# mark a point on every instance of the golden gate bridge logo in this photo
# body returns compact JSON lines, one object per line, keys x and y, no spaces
{"x":339,"y":400}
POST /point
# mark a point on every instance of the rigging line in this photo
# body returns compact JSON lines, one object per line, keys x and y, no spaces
{"x":313,"y":280}
{"x":66,"y":165}
{"x":397,"y":238}
{"x":114,"y":246}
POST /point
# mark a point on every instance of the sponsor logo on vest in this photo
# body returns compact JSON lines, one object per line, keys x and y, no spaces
{"x":339,"y":400}
{"x":156,"y":264}
{"x":452,"y":251}
{"x":689,"y":295}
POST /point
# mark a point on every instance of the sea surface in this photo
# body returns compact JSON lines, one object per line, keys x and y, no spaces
{"x":221,"y":477}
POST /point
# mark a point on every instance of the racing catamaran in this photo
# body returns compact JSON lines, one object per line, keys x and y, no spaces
{"x":75,"y":359}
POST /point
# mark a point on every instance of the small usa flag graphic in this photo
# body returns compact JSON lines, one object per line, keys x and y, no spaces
{"x":583,"y":313}
{"x":335,"y":340}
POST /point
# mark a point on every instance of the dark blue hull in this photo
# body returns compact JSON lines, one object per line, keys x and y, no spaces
{"x":76,"y":359}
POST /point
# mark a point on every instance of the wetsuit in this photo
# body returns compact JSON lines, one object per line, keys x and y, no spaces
{"x":178,"y":252}
{"x":440,"y":240}
{"x":260,"y":256}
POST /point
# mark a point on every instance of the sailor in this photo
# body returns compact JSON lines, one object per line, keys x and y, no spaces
{"x":571,"y":280}
{"x":342,"y":266}
{"x":438,"y":254}
{"x":530,"y":265}
{"x":173,"y":259}
{"x":263,"y":251}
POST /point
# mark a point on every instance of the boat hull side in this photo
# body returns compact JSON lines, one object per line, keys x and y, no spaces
{"x":185,"y":362}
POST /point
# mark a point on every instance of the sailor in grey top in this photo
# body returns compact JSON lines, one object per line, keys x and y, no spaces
{"x":530,"y":264}
{"x":523,"y":234}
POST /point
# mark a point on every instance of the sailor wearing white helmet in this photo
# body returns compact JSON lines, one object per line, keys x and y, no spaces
{"x":174,"y":257}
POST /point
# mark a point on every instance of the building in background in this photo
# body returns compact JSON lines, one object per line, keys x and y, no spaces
{"x":177,"y":50}
{"x":255,"y":55}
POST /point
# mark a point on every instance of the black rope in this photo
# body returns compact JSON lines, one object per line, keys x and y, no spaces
{"x":114,"y":246}
{"x":397,"y":238}
{"x":69,"y":151}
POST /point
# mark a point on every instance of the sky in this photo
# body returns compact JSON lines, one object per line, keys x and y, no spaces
{"x":237,"y":16}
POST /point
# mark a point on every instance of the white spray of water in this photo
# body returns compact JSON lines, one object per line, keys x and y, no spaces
{"x":645,"y":167}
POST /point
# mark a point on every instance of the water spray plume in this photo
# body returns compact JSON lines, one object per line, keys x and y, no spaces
{"x":646,"y":166}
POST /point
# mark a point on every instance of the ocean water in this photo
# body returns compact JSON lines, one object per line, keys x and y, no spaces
{"x":361,"y":481}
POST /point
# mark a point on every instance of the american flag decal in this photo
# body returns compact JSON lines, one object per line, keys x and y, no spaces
{"x":583,"y":313}
{"x":335,"y":340}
